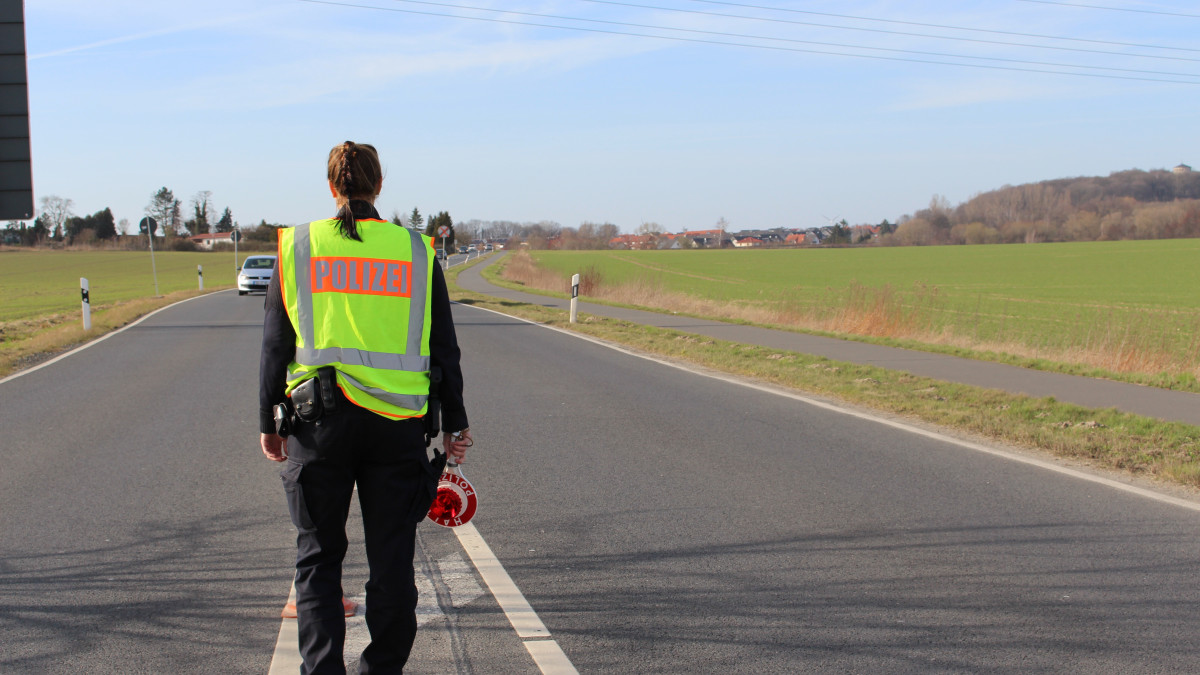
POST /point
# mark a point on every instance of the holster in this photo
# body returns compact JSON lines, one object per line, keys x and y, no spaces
{"x":314,"y":397}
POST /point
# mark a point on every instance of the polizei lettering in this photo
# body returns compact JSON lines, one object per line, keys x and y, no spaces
{"x":361,"y":276}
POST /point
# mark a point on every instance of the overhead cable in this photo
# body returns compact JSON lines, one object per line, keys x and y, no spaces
{"x":745,"y":45}
{"x":724,"y":34}
{"x":1114,"y":9}
{"x":791,"y":10}
{"x":909,"y":34}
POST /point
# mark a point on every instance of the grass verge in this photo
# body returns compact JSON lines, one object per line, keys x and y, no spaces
{"x":519,"y":273}
{"x":1108,"y":439}
{"x":27,"y":343}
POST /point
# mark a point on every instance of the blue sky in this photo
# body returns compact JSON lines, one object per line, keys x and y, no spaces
{"x":495,"y":120}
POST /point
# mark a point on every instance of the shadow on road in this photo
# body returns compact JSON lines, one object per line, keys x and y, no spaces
{"x":201,"y":596}
{"x":1027,"y":598}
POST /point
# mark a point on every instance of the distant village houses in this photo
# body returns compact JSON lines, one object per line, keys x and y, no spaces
{"x":716,"y":238}
{"x":207,"y":240}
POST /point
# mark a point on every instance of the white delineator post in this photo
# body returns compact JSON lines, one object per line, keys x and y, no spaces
{"x":574,"y":297}
{"x":200,"y":273}
{"x":87,"y":304}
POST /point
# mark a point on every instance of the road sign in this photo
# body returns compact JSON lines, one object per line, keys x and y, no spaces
{"x":236,"y":236}
{"x":443,"y":231}
{"x":150,"y":226}
{"x":16,"y":169}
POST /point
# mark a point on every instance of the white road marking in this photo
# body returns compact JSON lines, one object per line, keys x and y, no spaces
{"x":459,"y":580}
{"x":286,"y":659}
{"x":520,"y":614}
{"x":453,"y":571}
{"x":550,"y":658}
{"x":357,"y":635}
{"x":427,"y":603}
{"x":546,"y":653}
{"x":978,"y":447}
{"x":100,"y":339}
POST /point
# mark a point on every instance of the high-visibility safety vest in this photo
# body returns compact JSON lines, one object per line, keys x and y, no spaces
{"x":362,"y":307}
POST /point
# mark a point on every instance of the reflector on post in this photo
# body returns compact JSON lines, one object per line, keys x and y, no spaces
{"x":85,"y":292}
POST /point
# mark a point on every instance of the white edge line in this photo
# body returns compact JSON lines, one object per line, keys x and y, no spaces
{"x":520,"y":614}
{"x":996,"y":452}
{"x":546,"y":653}
{"x":104,"y":337}
{"x":286,"y":658}
{"x":550,"y":658}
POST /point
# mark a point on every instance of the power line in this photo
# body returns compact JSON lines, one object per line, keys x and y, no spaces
{"x":944,"y":26}
{"x":738,"y":44}
{"x":839,"y":45}
{"x":1113,"y":9}
{"x":909,"y":34}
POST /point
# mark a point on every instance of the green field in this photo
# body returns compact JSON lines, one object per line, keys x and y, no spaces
{"x":1127,"y":300}
{"x":1103,"y":438}
{"x":40,"y":283}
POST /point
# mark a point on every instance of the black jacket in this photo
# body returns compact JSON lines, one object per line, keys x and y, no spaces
{"x":279,"y":347}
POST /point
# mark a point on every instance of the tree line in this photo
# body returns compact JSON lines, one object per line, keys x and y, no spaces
{"x":1124,"y":205}
{"x":56,"y":222}
{"x":541,"y":234}
{"x":1130,"y":204}
{"x":538,"y":235}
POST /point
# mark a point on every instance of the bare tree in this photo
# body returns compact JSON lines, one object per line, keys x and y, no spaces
{"x":468,"y":231}
{"x":55,"y":211}
{"x":201,"y":208}
{"x":604,"y":233}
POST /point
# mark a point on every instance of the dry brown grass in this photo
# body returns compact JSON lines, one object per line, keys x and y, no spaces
{"x":1103,"y":438}
{"x":1116,"y":346}
{"x":521,"y":269}
{"x":26,"y":343}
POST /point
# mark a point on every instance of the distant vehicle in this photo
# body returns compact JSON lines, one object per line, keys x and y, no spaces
{"x":462,"y":249}
{"x":255,"y":273}
{"x":441,"y":254}
{"x":487,"y":248}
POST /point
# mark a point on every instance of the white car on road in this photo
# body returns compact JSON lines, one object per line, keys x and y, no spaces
{"x":255,"y":274}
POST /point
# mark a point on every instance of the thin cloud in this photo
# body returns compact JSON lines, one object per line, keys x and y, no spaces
{"x":955,"y":94}
{"x":331,"y":74}
{"x":191,"y":26}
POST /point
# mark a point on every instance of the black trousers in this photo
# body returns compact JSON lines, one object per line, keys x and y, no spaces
{"x":396,"y":484}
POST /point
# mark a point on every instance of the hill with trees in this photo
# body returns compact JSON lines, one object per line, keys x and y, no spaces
{"x":1132,"y":204}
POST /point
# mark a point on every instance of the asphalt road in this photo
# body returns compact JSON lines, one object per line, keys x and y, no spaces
{"x":657,"y":520}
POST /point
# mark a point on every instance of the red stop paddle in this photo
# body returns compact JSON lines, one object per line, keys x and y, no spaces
{"x":456,"y":499}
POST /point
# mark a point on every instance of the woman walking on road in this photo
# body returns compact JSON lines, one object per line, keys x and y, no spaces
{"x":358,"y":340}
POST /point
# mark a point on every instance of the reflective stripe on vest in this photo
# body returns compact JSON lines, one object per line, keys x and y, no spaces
{"x":410,"y":402}
{"x":336,"y":269}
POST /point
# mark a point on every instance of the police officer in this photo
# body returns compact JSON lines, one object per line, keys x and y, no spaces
{"x":357,"y":329}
